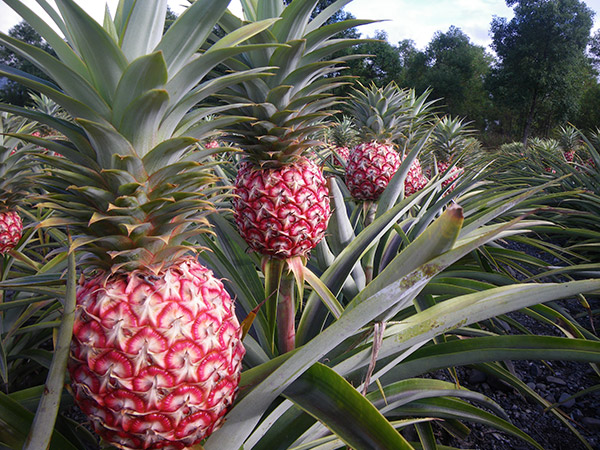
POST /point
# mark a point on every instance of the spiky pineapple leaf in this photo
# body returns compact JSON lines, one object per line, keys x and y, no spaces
{"x":58,"y":44}
{"x":183,"y":37}
{"x":74,"y":107}
{"x":146,"y":19}
{"x":104,"y":59}
{"x":74,"y":84}
{"x":332,"y":400}
{"x":143,"y":74}
{"x":141,"y":120}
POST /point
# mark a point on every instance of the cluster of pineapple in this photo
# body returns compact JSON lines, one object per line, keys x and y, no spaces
{"x":157,"y":349}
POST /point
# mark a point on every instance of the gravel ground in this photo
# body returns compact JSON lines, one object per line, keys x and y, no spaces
{"x":555,"y":381}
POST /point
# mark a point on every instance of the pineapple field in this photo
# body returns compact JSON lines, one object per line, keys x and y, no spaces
{"x":205,"y":243}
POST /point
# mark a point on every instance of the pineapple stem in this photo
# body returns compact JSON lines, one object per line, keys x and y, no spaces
{"x":286,"y":314}
{"x":369,"y":209}
{"x":273,"y":270}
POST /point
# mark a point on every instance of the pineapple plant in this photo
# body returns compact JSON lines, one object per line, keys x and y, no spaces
{"x":14,"y":169}
{"x":281,"y":200}
{"x":569,"y":140}
{"x":449,"y":139}
{"x":156,"y":351}
{"x":372,"y":164}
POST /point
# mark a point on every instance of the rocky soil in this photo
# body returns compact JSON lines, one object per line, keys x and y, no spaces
{"x":557,"y":382}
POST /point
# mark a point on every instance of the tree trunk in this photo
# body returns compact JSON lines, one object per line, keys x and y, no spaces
{"x":529,"y":120}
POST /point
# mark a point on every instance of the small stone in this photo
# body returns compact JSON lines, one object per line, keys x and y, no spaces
{"x":550,"y":398}
{"x":541,"y":386}
{"x":556,"y":380}
{"x":531,"y":385}
{"x":576,"y":414}
{"x":534,"y":371}
{"x":565,"y":401}
{"x":591,"y":422}
{"x":477,"y":377}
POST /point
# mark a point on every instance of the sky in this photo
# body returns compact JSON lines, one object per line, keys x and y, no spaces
{"x":401,"y":19}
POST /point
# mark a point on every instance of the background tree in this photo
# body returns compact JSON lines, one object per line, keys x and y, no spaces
{"x":381,"y":65}
{"x":541,"y":67}
{"x":12,"y":92}
{"x":454,"y":69}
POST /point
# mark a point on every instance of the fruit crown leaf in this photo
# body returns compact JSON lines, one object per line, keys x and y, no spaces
{"x":290,"y":105}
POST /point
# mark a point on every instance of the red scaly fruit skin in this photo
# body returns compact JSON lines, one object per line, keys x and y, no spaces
{"x":342,"y":156}
{"x":415,"y":180}
{"x":155,"y":359}
{"x":370,"y":168}
{"x":569,"y":155}
{"x":455,"y":172}
{"x":212,"y":144}
{"x":11,"y":230}
{"x":282,"y":212}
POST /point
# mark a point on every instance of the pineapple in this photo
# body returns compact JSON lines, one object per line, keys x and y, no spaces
{"x":156,"y":351}
{"x":569,"y":139}
{"x":373,"y":163}
{"x":281,"y":202}
{"x":282,"y":211}
{"x":13,"y":173}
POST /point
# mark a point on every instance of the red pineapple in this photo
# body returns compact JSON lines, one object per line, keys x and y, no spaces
{"x":370,"y":169}
{"x":455,"y":172}
{"x":282,"y":212}
{"x":373,"y":164}
{"x":415,"y":180}
{"x":11,"y":230}
{"x":155,"y":359}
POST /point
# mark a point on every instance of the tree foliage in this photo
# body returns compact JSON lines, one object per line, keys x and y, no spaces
{"x":381,"y":63}
{"x":454,"y":69}
{"x":542,"y":65}
{"x":13,"y":92}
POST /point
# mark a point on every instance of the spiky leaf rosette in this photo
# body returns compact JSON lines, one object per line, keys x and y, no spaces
{"x":134,"y":188}
{"x":343,"y":136}
{"x":379,"y":113}
{"x":289,"y":106}
{"x":297,"y":193}
{"x":449,"y":138}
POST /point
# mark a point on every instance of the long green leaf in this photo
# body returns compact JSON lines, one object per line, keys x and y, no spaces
{"x":104,"y":59}
{"x":334,"y":402}
{"x":15,"y":422}
{"x":145,"y":19}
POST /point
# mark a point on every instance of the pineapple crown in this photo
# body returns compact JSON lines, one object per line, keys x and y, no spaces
{"x":289,"y":106}
{"x":569,"y":137}
{"x":131,"y":184}
{"x":379,"y":112}
{"x":450,"y":136}
{"x":343,"y":132}
{"x":390,"y":114}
